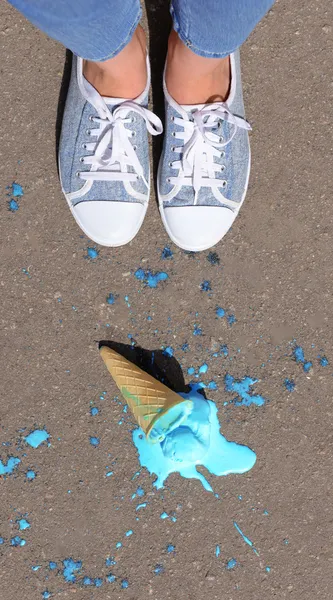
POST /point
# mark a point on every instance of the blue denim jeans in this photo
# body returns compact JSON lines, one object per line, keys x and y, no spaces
{"x":99,"y":29}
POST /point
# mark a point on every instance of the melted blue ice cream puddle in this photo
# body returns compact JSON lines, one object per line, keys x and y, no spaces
{"x":197,"y":441}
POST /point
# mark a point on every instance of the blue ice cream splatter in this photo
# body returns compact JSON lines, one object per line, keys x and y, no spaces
{"x":164,"y":515}
{"x":16,"y":190}
{"x":158,"y":569}
{"x":95,"y":441}
{"x":203,"y":369}
{"x":307,"y":366}
{"x":70,"y":567}
{"x":23,"y":524}
{"x":298,"y":353}
{"x":94,"y":411}
{"x":197,"y":441}
{"x":111,"y":578}
{"x":46,"y":595}
{"x":231,"y":564}
{"x":142,"y":505}
{"x":213,"y":258}
{"x":129,"y":532}
{"x":92,"y":252}
{"x":231,"y":319}
{"x":168,"y":351}
{"x":111,"y":298}
{"x":110,"y":561}
{"x":52,"y":565}
{"x":170,"y":548}
{"x":166,"y":253}
{"x":217,"y":551}
{"x":7,"y":469}
{"x":2,"y":541}
{"x":124,"y":583}
{"x":220,"y":312}
{"x":242,"y":389}
{"x":206,"y":286}
{"x":30,"y":475}
{"x":323,"y":361}
{"x":149,"y":278}
{"x":267,"y":569}
{"x":197,"y":330}
{"x":118,"y":545}
{"x":17,"y":541}
{"x":37,"y":437}
{"x":289,"y":384}
{"x":245,"y":538}
{"x":13,"y":205}
{"x":212,"y":385}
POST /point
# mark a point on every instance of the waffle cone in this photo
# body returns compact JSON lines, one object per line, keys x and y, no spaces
{"x":147,"y":397}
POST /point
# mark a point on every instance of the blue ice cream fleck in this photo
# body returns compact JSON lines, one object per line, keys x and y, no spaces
{"x":110,"y":299}
{"x":168,"y":351}
{"x":231,"y":564}
{"x":299,"y":354}
{"x":220,"y":312}
{"x":242,"y":389}
{"x":289,"y":384}
{"x":70,"y":568}
{"x":323,"y":361}
{"x":37,"y":437}
{"x":13,"y":205}
{"x":95,"y":441}
{"x":30,"y":475}
{"x":17,"y":541}
{"x":17,"y":190}
{"x":166,"y":253}
{"x":23,"y":524}
{"x":149,"y":278}
{"x":197,"y":441}
{"x":7,"y":469}
{"x":92,"y":252}
{"x":205,"y":286}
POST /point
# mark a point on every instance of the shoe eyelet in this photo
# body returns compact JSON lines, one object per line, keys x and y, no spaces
{"x":84,"y":146}
{"x":173,"y":134}
{"x":172,"y":118}
{"x":222,"y":168}
{"x":91,"y":118}
{"x":77,"y":174}
{"x":133,"y":133}
{"x":135,"y":148}
{"x":224,"y":184}
{"x":220,"y":139}
{"x":168,"y":179}
{"x":133,"y":119}
{"x":138,"y":177}
{"x":88,"y":131}
{"x":81,"y":159}
{"x":222,"y":155}
{"x":173,"y":149}
{"x":170,"y":164}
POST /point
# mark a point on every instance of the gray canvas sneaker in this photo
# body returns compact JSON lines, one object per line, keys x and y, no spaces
{"x":104,"y":160}
{"x":204,"y":168}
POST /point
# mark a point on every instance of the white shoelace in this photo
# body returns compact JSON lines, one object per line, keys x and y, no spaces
{"x":196,"y":166}
{"x":113,"y":153}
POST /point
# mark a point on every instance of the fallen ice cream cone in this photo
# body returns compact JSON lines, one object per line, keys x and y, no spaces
{"x":157,"y":409}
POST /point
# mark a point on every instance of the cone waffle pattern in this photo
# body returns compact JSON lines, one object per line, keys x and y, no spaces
{"x":145,"y":396}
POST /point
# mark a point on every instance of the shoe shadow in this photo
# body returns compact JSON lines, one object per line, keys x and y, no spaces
{"x":159,"y":23}
{"x":66,"y":75}
{"x":164,"y":368}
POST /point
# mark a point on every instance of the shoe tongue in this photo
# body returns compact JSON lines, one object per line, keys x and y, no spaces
{"x":113,"y":101}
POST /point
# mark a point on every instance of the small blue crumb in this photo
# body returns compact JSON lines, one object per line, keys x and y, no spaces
{"x":220,"y":312}
{"x":129,"y":532}
{"x":92,"y":253}
{"x":13,"y":205}
{"x":158,"y":569}
{"x":149,"y":278}
{"x":87,"y":581}
{"x":30,"y":475}
{"x":185,"y":347}
{"x":110,"y":299}
{"x":140,"y":491}
{"x":36,"y":567}
{"x":191,"y":371}
{"x":2,"y":541}
{"x":231,"y":564}
{"x":205,"y":286}
{"x":166,"y":253}
{"x":17,"y":541}
{"x":170,"y":548}
{"x":118,"y":545}
{"x":203,"y":369}
{"x":7,"y":469}
{"x":98,"y":582}
{"x":265,"y":512}
{"x":231,"y":319}
{"x":37,"y":437}
{"x":197,"y":330}
{"x":212,"y":385}
{"x":267,"y":569}
{"x":142,"y":505}
{"x":164,"y":515}
{"x":46,"y":594}
{"x":124,"y":583}
{"x":23,"y":524}
{"x":111,"y":578}
{"x":213,"y":258}
{"x":224,"y":350}
{"x":299,"y":354}
{"x":307,"y":366}
{"x":289,"y":384}
{"x":168,"y":351}
{"x":110,"y":561}
{"x":149,"y":318}
{"x":217,"y":551}
{"x":52,"y":565}
{"x":17,"y":190}
{"x":95,"y":441}
{"x":286,"y":541}
{"x":94,"y":411}
{"x":323,"y":361}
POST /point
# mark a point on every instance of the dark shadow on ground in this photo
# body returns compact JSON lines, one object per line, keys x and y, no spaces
{"x":164,"y":368}
{"x":159,"y":23}
{"x":62,"y":98}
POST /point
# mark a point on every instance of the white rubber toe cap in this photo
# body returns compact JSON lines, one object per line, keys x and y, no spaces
{"x":197,"y":228}
{"x":110,"y":223}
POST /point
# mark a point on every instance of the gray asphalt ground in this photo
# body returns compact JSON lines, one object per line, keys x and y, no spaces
{"x":274,"y":275}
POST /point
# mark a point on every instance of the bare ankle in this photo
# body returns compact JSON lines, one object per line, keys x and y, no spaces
{"x":193,"y":79}
{"x":125,"y":75}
